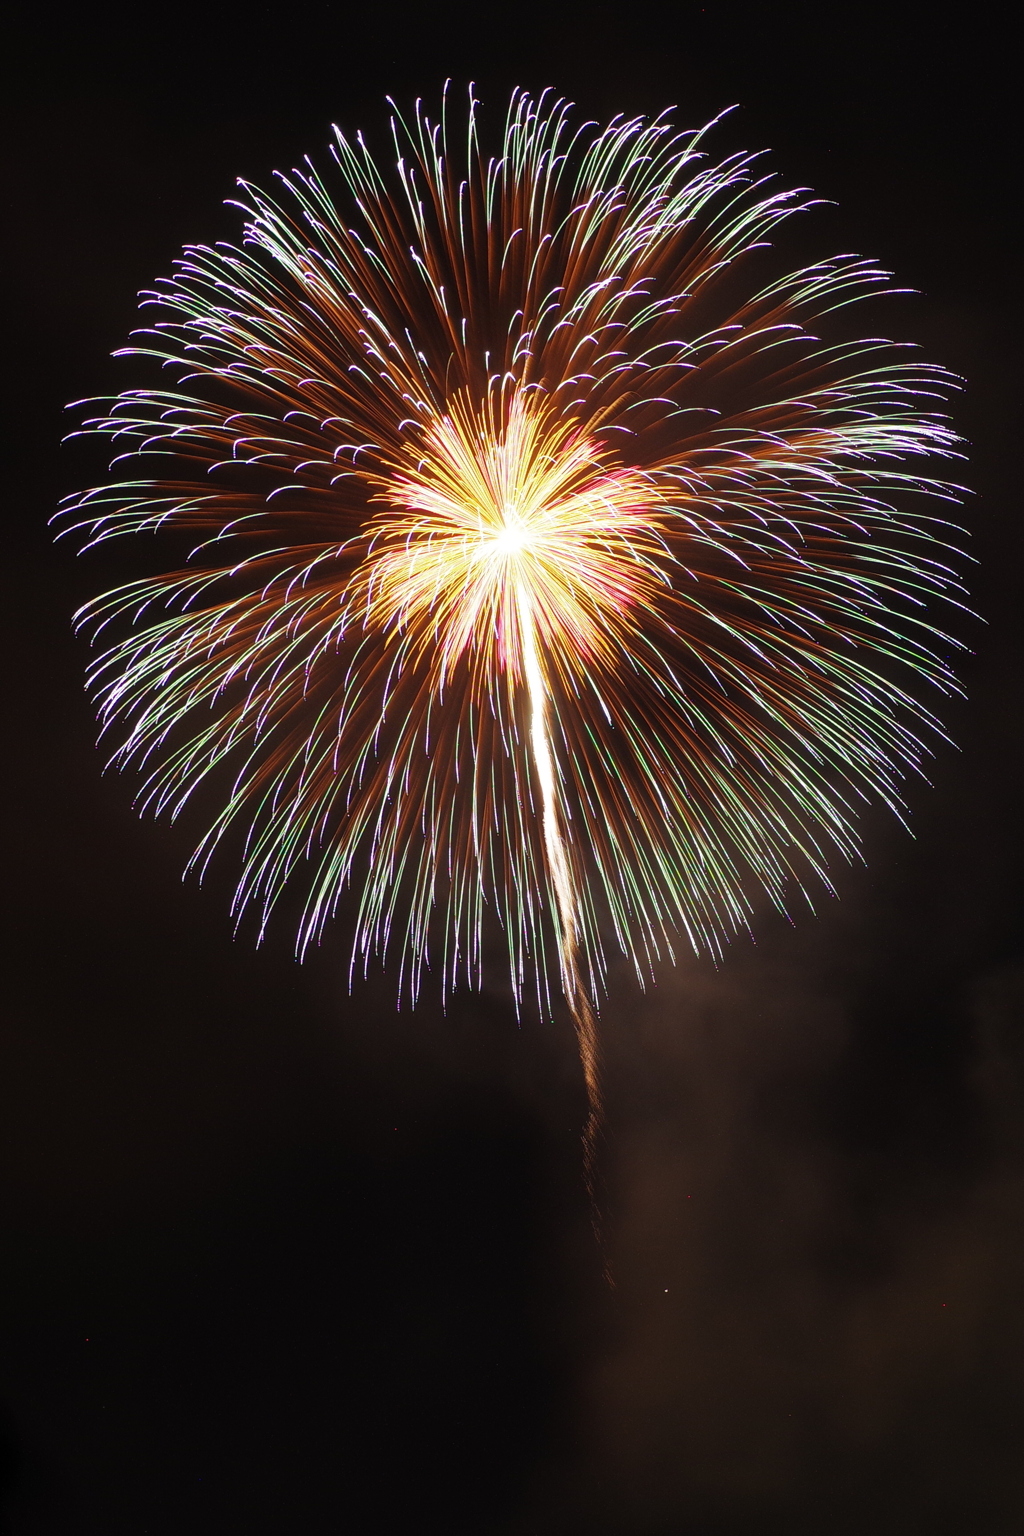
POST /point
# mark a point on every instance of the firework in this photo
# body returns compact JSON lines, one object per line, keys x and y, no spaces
{"x":553,"y":574}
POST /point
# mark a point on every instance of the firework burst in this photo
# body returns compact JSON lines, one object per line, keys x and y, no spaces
{"x":554,"y":571}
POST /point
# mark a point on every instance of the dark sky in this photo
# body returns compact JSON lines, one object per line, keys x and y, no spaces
{"x":278,"y":1259}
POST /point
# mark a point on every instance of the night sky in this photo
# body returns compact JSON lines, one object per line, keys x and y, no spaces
{"x":280,"y":1259}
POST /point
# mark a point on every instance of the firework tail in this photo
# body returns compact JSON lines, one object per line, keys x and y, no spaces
{"x":566,"y":906}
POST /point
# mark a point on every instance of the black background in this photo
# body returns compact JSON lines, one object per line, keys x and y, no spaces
{"x":278,"y":1259}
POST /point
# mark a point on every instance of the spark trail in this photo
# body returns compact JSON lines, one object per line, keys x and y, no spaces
{"x":566,"y":903}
